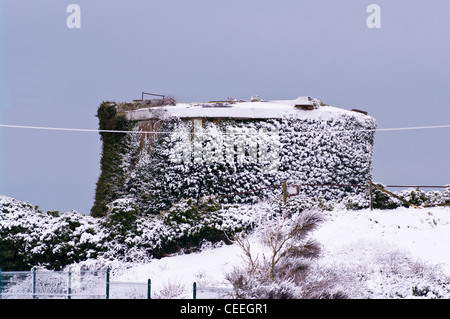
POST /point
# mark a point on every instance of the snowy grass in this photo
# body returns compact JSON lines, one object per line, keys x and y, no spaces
{"x":401,"y":253}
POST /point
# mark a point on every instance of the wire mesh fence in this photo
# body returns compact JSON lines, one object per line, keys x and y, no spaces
{"x":46,"y":284}
{"x":204,"y":292}
{"x":130,"y":290}
{"x":92,"y":284}
{"x":70,"y":284}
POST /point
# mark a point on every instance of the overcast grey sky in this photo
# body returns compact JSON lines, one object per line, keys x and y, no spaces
{"x":202,"y":50}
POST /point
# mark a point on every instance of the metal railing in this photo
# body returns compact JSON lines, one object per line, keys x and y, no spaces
{"x":145,"y":93}
{"x":204,"y":292}
{"x":70,"y":284}
{"x":91,"y":284}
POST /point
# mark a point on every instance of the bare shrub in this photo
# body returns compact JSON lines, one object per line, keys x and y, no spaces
{"x":169,"y":100}
{"x":282,"y":266}
{"x":172,"y":289}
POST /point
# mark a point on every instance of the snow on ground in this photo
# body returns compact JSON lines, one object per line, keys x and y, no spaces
{"x":347,"y":237}
{"x":207,"y":268}
{"x":424,"y":233}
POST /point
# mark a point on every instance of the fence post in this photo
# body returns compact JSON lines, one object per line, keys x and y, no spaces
{"x":149,"y":289}
{"x":69,"y":290}
{"x":195,"y":290}
{"x":285,"y":192}
{"x":34,"y":282}
{"x":107,"y":283}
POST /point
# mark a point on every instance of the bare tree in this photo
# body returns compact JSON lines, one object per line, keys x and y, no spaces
{"x":283,"y":261}
{"x":290,"y":247}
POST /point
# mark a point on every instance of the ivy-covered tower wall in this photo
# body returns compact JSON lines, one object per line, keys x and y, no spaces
{"x":238,"y":152}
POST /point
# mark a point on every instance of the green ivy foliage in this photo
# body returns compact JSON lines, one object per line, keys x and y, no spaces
{"x":110,"y":184}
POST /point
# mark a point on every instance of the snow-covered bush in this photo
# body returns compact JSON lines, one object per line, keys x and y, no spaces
{"x":280,"y":268}
{"x":445,"y":198}
{"x":121,"y":216}
{"x":30,"y":237}
{"x":355,"y":202}
{"x":300,"y":203}
{"x":388,"y":272}
{"x":414,"y":196}
{"x":190,"y":223}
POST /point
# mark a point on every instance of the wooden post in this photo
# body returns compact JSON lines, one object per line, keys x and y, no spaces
{"x":285,"y":192}
{"x":371,"y":194}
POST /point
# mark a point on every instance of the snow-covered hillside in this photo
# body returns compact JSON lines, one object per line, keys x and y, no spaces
{"x":397,"y":253}
{"x":401,"y":253}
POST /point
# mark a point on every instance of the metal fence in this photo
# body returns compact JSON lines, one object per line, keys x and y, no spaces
{"x":70,"y":284}
{"x":91,"y":284}
{"x":204,"y":292}
{"x":129,"y":290}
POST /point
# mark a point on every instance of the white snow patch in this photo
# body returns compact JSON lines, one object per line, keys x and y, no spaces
{"x":424,"y":233}
{"x":350,"y":238}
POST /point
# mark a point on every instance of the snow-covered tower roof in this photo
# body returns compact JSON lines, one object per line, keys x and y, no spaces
{"x":255,"y":108}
